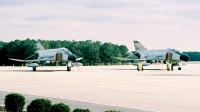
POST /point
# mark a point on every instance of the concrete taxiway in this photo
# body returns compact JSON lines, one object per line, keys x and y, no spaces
{"x":154,"y":89}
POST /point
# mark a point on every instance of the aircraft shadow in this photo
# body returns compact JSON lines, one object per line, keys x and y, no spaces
{"x":175,"y":75}
{"x":136,"y":69}
{"x":32,"y":71}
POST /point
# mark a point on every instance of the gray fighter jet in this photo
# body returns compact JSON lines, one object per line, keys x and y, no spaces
{"x":62,"y":55}
{"x":143,"y":57}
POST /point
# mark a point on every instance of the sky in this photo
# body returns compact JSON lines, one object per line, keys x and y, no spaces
{"x":157,"y":24}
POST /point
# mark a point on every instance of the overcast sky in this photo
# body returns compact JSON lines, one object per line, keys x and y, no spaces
{"x":155,"y":23}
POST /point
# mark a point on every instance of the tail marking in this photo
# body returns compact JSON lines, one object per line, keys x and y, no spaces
{"x":39,"y":46}
{"x":139,"y":46}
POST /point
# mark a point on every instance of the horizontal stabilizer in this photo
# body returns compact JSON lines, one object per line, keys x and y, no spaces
{"x":124,"y":59}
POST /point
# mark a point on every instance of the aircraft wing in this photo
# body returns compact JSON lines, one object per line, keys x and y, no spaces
{"x":22,"y":60}
{"x":124,"y":59}
{"x":140,"y":59}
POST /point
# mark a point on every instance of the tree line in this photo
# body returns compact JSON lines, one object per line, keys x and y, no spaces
{"x":194,"y":56}
{"x":93,"y":52}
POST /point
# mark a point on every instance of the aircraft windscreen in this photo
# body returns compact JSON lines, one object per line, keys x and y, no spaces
{"x":66,"y":51}
{"x":176,"y":51}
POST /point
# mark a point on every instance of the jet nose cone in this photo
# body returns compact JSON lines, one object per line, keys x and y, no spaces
{"x":72,"y":57}
{"x":184,"y":57}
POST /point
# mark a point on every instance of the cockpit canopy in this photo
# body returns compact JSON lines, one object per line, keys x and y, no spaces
{"x":174,"y":50}
{"x":66,"y":51}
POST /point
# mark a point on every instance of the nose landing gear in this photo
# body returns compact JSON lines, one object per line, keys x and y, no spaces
{"x":69,"y":65}
{"x":68,"y":68}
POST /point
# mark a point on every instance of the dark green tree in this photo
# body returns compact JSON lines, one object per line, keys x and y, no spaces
{"x":92,"y":52}
{"x":39,"y":105}
{"x":14,"y":102}
{"x":60,"y":107}
{"x":109,"y":52}
{"x":194,"y":56}
{"x":81,"y":110}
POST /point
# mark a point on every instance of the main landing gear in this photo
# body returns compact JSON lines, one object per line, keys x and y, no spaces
{"x":170,"y":67}
{"x":139,"y":67}
{"x":34,"y":68}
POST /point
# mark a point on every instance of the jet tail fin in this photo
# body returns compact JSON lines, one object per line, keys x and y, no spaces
{"x":39,"y":46}
{"x":138,"y":46}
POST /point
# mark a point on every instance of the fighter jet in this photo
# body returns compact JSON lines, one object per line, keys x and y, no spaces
{"x":143,"y":57}
{"x":62,"y":55}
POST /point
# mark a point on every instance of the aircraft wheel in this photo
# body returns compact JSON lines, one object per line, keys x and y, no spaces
{"x":140,"y":67}
{"x":169,"y":67}
{"x":34,"y":68}
{"x":179,"y":68}
{"x":68,"y":68}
